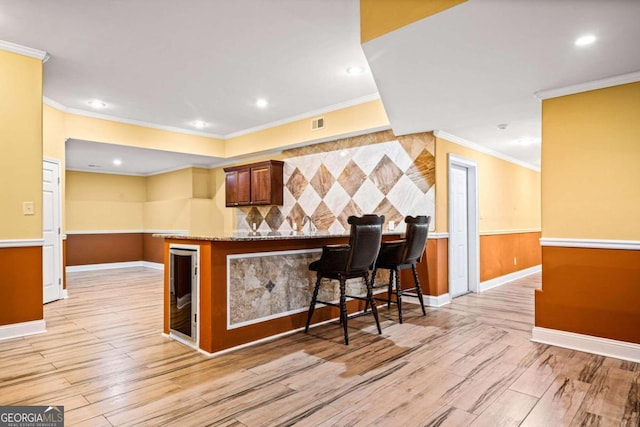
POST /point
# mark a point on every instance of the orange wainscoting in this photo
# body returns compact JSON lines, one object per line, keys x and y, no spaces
{"x":590,"y":291}
{"x":83,"y":249}
{"x":498,"y":251}
{"x":433,"y":274}
{"x":20,"y":285}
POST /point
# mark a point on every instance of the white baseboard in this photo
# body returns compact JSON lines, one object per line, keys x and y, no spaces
{"x":154,"y":265}
{"x":497,"y":281}
{"x":65,"y":294}
{"x":587,"y":343}
{"x":429,"y":300}
{"x":110,"y":265}
{"x":22,"y":329}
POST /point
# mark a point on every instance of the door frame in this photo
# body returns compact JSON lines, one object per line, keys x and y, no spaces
{"x":58,"y":164}
{"x":194,"y":343}
{"x":473,"y":227}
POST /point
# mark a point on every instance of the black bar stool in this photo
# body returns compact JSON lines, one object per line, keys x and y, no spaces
{"x":342,"y":262}
{"x":400,"y":255}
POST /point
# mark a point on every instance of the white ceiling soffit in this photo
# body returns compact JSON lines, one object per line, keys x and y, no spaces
{"x":89,"y":156}
{"x":169,"y":63}
{"x":479,"y":64}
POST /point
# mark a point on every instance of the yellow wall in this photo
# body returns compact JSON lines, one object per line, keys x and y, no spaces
{"x":98,"y":130}
{"x":509,"y":195}
{"x":379,"y":17}
{"x":20,"y":145}
{"x":97,"y":201}
{"x":369,"y":115}
{"x":590,"y":157}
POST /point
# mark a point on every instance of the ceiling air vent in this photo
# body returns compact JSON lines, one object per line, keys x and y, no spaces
{"x":317,"y":123}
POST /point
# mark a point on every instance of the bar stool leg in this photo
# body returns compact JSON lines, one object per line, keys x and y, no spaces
{"x":418,"y":288}
{"x":312,"y":306}
{"x":373,"y":281}
{"x":343,"y":309}
{"x":389,"y":289}
{"x":371,"y":301}
{"x":398,"y":294}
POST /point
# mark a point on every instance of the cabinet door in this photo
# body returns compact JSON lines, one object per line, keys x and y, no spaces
{"x":261,"y":185}
{"x":237,"y":188}
{"x":244,"y":187}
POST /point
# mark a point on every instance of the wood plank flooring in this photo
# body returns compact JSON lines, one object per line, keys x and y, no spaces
{"x":466,"y":364}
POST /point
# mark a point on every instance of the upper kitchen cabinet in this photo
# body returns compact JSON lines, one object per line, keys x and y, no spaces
{"x":254,"y":184}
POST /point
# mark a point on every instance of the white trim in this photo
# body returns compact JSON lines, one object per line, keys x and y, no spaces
{"x":587,"y":343}
{"x":64,"y":236}
{"x":105,"y":266}
{"x":473,"y":218}
{"x":21,"y":243}
{"x":22,"y":329}
{"x":631,"y":245}
{"x":308,"y":115}
{"x":196,"y":290}
{"x":91,"y":114}
{"x":65,"y":294}
{"x":437,"y":301}
{"x":24,"y":50}
{"x":154,"y":265}
{"x":512,"y":231}
{"x":182,"y":232}
{"x":587,"y":86}
{"x":429,"y":300}
{"x":501,"y":280}
{"x":481,"y":148}
{"x":438,"y":235}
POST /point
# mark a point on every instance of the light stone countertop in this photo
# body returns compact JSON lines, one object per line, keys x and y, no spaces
{"x":251,"y":236}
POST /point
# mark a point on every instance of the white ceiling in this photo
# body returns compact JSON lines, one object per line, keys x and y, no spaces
{"x":462,"y":71}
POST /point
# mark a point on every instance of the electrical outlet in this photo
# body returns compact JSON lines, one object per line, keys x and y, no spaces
{"x":27,"y":208}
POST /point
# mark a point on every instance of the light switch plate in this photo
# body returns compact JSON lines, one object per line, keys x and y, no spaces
{"x":27,"y":208}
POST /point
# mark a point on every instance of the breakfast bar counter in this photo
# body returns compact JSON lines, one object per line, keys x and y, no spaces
{"x":252,"y":286}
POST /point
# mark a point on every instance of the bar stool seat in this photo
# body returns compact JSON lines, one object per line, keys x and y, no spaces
{"x":403,"y":254}
{"x":342,"y":262}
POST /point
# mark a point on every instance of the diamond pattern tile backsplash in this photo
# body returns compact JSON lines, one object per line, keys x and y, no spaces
{"x":376,"y":173}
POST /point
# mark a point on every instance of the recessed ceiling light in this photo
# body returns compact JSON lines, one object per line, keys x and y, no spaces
{"x":585,"y":40}
{"x":527,"y":140}
{"x":502,"y":126}
{"x":97,"y":104}
{"x":200,"y":124}
{"x":117,"y":162}
{"x":355,"y":70}
{"x":262,"y":103}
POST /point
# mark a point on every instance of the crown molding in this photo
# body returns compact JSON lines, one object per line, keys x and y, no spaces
{"x":587,"y":86}
{"x":307,"y":115}
{"x":483,"y":149}
{"x":24,"y":50}
{"x":54,"y":104}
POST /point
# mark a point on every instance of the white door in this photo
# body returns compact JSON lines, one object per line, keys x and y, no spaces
{"x":52,"y":247}
{"x":459,"y":231}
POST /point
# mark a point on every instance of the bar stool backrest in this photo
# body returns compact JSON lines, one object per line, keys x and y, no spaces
{"x":364,"y":239}
{"x":416,"y":235}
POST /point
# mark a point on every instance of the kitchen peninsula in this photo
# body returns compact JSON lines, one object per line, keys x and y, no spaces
{"x":251,"y":285}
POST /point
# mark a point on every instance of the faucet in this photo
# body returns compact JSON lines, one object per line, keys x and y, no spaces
{"x":306,"y":219}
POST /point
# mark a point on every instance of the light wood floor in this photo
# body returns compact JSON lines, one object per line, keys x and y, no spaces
{"x":468,"y":363}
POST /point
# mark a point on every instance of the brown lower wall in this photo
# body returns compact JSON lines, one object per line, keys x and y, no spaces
{"x":590,"y":291}
{"x":498,"y":251}
{"x":83,"y":249}
{"x":20,"y":285}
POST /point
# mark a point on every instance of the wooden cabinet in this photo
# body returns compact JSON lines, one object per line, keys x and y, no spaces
{"x":254,"y":184}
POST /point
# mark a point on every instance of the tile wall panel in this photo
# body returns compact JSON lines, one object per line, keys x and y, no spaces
{"x":375,"y":173}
